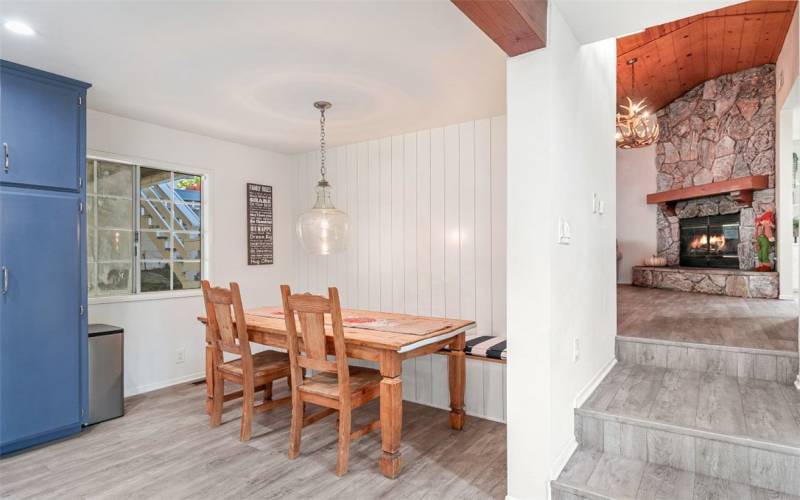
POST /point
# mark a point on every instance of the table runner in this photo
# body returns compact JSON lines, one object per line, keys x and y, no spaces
{"x":373,"y":320}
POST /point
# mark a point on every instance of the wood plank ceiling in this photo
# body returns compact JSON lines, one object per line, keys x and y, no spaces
{"x":673,"y":58}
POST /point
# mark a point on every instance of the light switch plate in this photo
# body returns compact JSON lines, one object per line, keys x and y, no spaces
{"x":564,"y":232}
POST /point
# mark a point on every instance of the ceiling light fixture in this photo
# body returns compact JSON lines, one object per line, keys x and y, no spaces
{"x":323,"y":229}
{"x":637,"y":127}
{"x":19,"y":28}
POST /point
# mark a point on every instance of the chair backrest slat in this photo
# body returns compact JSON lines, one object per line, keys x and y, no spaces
{"x":312,"y":326}
{"x":311,"y":310}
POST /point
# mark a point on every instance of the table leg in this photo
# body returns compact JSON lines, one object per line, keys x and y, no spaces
{"x":391,"y":424}
{"x":209,"y":372}
{"x":457,"y":369}
{"x":391,"y":413}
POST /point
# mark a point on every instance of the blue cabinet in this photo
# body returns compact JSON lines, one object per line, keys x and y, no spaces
{"x":43,"y":321}
{"x":41,"y":128}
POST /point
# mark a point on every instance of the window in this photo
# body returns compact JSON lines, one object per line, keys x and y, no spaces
{"x":145,"y":230}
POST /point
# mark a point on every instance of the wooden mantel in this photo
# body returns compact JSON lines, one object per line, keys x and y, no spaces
{"x":741,"y":190}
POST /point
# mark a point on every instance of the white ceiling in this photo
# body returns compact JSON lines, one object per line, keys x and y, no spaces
{"x":249,"y":72}
{"x":593,"y":20}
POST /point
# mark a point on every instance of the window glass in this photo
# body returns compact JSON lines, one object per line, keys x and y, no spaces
{"x":163,"y":208}
{"x":110,"y":227}
{"x":154,"y":184}
{"x":187,"y":275}
{"x":155,"y":276}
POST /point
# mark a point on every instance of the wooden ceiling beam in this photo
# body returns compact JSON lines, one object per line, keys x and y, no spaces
{"x":516,"y":26}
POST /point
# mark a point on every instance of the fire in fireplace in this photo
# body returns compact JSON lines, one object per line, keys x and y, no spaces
{"x":711,"y":241}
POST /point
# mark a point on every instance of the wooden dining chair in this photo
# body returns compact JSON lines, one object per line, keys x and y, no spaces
{"x":335,"y":385}
{"x":251,"y":371}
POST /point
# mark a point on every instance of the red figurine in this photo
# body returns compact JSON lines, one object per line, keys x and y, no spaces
{"x":765,"y":236}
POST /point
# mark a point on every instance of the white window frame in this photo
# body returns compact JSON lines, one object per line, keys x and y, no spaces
{"x":205,"y":227}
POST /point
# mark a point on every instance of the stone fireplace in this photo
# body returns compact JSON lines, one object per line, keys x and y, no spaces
{"x":720,"y":133}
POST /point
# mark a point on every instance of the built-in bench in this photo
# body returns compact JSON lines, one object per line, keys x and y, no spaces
{"x":484,"y":348}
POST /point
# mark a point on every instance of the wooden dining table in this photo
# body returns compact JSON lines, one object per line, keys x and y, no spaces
{"x":386,"y":348}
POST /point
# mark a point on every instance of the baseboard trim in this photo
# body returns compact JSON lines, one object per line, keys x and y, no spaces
{"x":563,"y":457}
{"x":164,"y":383}
{"x":587,"y":391}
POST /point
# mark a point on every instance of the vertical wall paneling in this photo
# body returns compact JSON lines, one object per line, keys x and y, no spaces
{"x":342,"y":259}
{"x":437,"y":224}
{"x":322,"y":260}
{"x":409,"y":246}
{"x":374,"y":255}
{"x":427,"y":236}
{"x":483,"y":226}
{"x":352,"y":207}
{"x":466,"y":223}
{"x":398,"y":272}
{"x":423,"y":366}
{"x":498,"y":235}
{"x":385,"y":168}
{"x":332,"y":162}
{"x":330,"y":260}
{"x":300,"y":257}
{"x":363,"y":225}
{"x":452,"y":239}
{"x":312,"y":176}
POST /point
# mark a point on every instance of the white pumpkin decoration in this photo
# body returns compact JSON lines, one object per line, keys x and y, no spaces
{"x":655,"y":261}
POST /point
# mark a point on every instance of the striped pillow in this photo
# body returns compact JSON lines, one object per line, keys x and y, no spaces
{"x":486,"y":346}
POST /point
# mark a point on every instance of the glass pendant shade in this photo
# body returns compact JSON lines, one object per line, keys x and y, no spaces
{"x":323,"y":229}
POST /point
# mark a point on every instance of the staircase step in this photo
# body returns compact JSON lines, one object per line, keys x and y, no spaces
{"x":762,"y":364}
{"x":592,"y":474}
{"x":710,"y":423}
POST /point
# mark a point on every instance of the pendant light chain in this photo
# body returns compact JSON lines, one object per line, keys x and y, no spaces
{"x":322,"y":169}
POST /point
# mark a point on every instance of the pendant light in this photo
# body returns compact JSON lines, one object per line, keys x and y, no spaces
{"x":323,"y":229}
{"x":636,"y":128}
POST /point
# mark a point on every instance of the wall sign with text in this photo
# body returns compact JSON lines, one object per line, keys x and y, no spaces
{"x":259,"y":224}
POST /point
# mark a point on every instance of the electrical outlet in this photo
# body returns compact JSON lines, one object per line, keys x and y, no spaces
{"x":576,"y":350}
{"x":180,"y":355}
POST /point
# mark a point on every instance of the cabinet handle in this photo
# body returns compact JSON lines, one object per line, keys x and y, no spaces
{"x":5,"y":280}
{"x":5,"y":157}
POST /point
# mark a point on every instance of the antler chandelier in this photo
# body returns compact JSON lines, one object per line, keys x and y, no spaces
{"x":636,"y":128}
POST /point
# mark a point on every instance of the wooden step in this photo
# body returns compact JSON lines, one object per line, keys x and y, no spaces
{"x":593,"y":474}
{"x":762,"y":364}
{"x":710,"y":423}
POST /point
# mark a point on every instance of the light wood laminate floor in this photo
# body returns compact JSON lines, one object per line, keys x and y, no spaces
{"x":739,"y":407}
{"x":707,"y":319}
{"x":611,"y":476}
{"x":164,"y":448}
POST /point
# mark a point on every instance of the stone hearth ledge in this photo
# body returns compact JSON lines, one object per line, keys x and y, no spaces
{"x":730,"y":282}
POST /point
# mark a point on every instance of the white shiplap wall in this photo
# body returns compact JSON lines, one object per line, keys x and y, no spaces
{"x":428,"y":230}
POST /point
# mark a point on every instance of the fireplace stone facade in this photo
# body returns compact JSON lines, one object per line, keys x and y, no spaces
{"x":719,"y":130}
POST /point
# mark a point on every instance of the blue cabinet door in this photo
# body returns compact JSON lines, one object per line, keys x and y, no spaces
{"x":40,"y":316}
{"x":41,"y":130}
